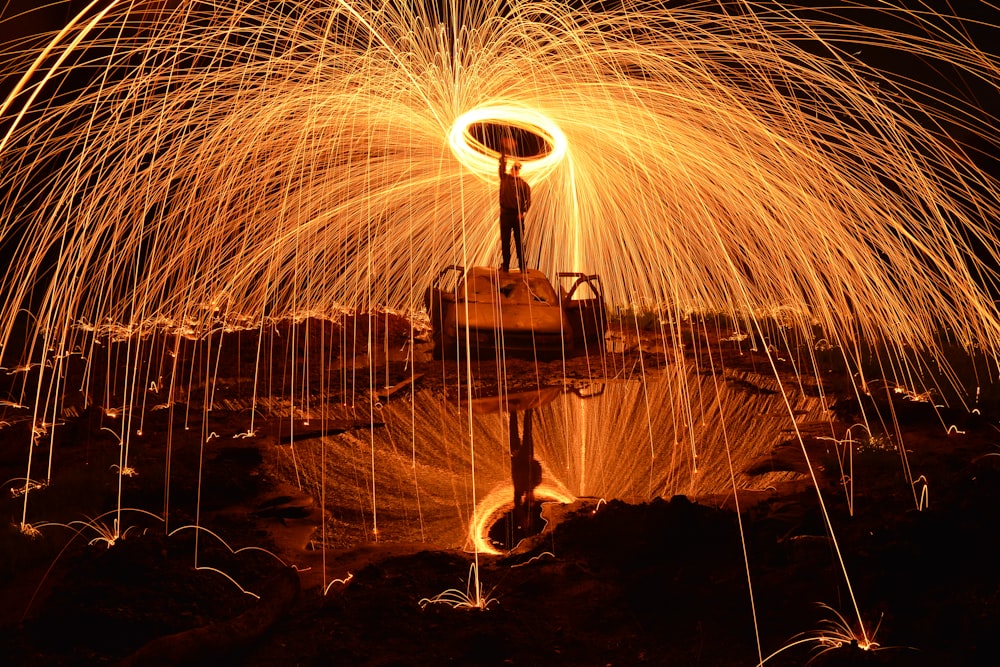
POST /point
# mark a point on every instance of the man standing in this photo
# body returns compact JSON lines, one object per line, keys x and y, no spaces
{"x":515,"y":199}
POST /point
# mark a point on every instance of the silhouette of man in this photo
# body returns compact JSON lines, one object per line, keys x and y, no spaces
{"x":515,"y":199}
{"x":525,"y":472}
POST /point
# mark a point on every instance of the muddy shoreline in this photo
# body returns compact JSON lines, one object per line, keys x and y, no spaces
{"x":663,"y":582}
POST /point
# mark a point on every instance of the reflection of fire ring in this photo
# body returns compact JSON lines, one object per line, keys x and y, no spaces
{"x":492,"y":508}
{"x":534,"y":141}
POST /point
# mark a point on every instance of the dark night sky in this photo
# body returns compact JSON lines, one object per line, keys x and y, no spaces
{"x":47,"y":17}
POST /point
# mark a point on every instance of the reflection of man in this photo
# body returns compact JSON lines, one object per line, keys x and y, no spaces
{"x":525,"y":472}
{"x":515,"y":199}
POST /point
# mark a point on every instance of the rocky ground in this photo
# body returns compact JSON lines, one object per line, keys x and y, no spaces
{"x":605,"y":584}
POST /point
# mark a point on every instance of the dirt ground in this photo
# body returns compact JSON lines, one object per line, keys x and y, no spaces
{"x":678,"y":581}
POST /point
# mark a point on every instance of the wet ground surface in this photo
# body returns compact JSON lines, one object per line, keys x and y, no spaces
{"x":607,"y":583}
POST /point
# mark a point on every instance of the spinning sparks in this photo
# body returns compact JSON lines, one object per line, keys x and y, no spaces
{"x":481,"y":158}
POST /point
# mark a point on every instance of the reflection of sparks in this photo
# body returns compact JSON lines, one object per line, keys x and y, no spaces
{"x":601,"y":450}
{"x":491,"y":508}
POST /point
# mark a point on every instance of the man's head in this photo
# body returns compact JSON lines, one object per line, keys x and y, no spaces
{"x":516,"y":169}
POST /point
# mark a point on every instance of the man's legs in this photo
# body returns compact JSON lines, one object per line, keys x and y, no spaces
{"x":506,"y":228}
{"x":518,"y":229}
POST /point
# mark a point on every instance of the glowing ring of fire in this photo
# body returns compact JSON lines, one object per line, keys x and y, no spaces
{"x":482,"y":159}
{"x":490,"y":509}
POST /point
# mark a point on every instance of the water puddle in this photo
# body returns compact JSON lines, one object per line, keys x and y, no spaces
{"x":446,"y":469}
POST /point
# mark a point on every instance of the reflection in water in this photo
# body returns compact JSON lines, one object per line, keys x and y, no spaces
{"x":525,"y":475}
{"x":437,"y":465}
